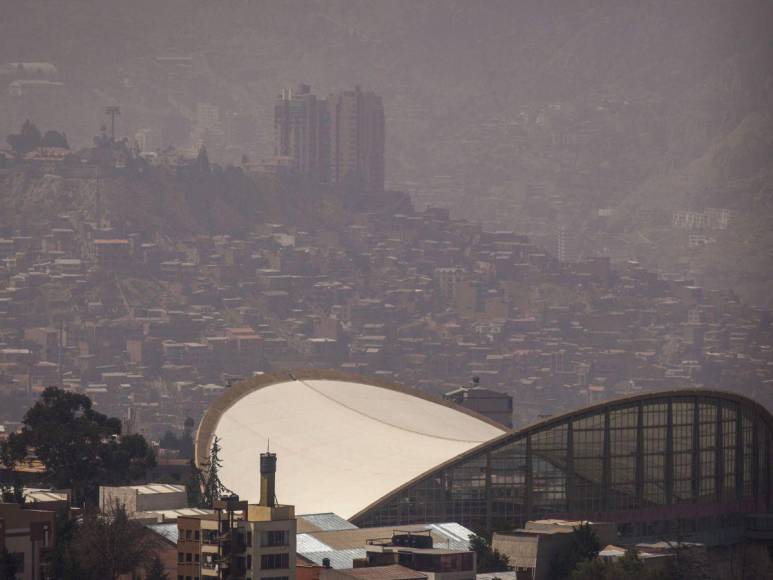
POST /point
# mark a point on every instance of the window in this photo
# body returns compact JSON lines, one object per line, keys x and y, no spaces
{"x":180,"y":557}
{"x":249,"y":562}
{"x":276,"y":538}
{"x":274,"y":561}
{"x":196,"y":535}
{"x":188,"y":557}
{"x":249,"y":537}
{"x":187,"y":535}
{"x":196,"y":557}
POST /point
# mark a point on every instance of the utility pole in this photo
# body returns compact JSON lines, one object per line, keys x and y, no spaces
{"x":113,"y":112}
{"x":98,"y":197}
{"x":59,"y":354}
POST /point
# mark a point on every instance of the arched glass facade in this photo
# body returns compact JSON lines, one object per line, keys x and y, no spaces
{"x":653,"y":463}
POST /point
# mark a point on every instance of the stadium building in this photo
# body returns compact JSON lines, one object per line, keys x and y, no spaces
{"x":678,"y":462}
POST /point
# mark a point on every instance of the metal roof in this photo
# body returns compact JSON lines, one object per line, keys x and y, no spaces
{"x":338,"y":558}
{"x":168,"y":531}
{"x":154,"y":488}
{"x":320,"y":522}
{"x":342,"y":546}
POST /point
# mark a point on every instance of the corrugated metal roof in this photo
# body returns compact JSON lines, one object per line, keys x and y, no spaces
{"x":305,"y":543}
{"x":44,"y":495}
{"x":393,"y":572}
{"x":153,"y":488}
{"x":171,"y":515}
{"x":338,"y":558}
{"x":326,"y":521}
{"x":495,"y":575}
{"x":168,"y":531}
{"x":342,"y":546}
{"x":457,"y":536}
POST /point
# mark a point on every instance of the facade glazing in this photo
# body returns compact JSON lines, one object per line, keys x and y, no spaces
{"x":654,"y":463}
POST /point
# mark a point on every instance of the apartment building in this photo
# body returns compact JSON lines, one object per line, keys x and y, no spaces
{"x":240,"y":541}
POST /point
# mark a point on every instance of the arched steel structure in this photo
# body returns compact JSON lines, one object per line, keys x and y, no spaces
{"x":655,"y":463}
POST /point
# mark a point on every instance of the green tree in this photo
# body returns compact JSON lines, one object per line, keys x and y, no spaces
{"x":595,"y":569}
{"x":28,"y":139}
{"x":169,"y":441}
{"x":193,"y":486}
{"x":79,"y":447}
{"x":11,"y":491}
{"x":584,"y":546}
{"x":630,"y":564}
{"x":488,"y":558}
{"x":156,"y":570}
{"x":53,"y":138}
{"x":213,"y":487}
{"x":628,"y":567}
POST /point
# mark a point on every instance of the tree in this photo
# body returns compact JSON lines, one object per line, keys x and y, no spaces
{"x":193,"y":486}
{"x":630,"y":564}
{"x":61,"y":559}
{"x":107,"y":545}
{"x":201,"y":164}
{"x":13,"y":491}
{"x":213,"y":487}
{"x":156,"y":570}
{"x":80,"y":447}
{"x":489,"y":559}
{"x":585,"y":546}
{"x":9,"y":565}
{"x":183,"y":444}
{"x":54,"y":139}
{"x":595,"y":569}
{"x":28,"y":139}
{"x":628,"y":567}
{"x":169,"y":441}
{"x":187,"y":447}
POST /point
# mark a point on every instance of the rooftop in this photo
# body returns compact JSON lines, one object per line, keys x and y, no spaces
{"x":354,"y":440}
{"x":393,"y":572}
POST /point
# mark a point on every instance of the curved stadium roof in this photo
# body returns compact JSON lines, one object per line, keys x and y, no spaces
{"x":380,"y":455}
{"x":342,"y":442}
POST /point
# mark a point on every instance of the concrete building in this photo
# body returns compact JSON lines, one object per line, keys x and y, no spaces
{"x":492,"y":404}
{"x":143,"y":498}
{"x":302,"y":132}
{"x":27,"y":535}
{"x":339,"y":544}
{"x":532,"y":549}
{"x":199,"y":546}
{"x":244,"y":541}
{"x":339,"y":140}
{"x":414,"y":551}
{"x":357,"y":139}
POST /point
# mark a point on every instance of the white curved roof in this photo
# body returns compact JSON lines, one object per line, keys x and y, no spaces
{"x":340,"y":445}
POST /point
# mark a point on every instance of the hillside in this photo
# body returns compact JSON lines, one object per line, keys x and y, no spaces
{"x":543,"y":112}
{"x":158,"y":200}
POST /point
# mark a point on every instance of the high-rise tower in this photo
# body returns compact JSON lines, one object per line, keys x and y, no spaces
{"x":301,"y":132}
{"x":357,"y":139}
